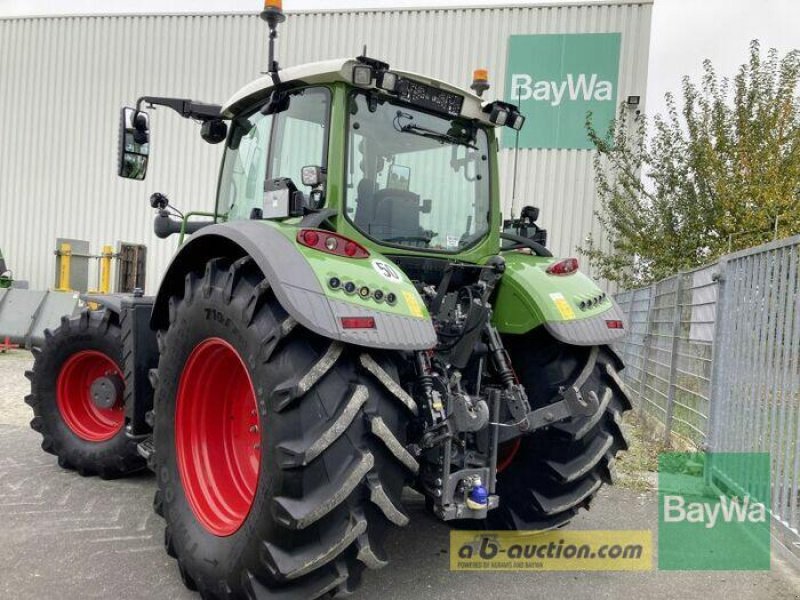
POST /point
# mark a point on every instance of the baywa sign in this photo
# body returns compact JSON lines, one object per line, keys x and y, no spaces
{"x":556,"y":79}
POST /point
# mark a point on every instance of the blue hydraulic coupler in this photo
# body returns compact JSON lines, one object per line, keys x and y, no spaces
{"x":478,"y":498}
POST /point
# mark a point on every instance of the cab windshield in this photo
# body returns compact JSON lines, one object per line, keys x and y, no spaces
{"x":415,"y":179}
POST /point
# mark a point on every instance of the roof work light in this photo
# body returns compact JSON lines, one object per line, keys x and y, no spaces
{"x":363,"y":75}
{"x":504,"y":114}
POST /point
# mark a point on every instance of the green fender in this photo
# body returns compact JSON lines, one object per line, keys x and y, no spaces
{"x":301,"y":279}
{"x":572,"y":307}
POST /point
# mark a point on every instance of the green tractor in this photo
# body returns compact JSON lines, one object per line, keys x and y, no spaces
{"x":352,"y":319}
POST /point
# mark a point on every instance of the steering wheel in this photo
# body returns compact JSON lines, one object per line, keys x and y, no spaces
{"x":520,"y":242}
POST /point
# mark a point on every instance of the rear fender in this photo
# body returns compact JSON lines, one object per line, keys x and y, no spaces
{"x":299,"y":278}
{"x":571,"y":307}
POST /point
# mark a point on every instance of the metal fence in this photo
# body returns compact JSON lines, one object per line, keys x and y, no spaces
{"x":669,"y":347}
{"x":713,"y":354}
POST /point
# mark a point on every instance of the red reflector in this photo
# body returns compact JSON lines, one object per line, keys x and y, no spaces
{"x":332,"y":243}
{"x":564,"y":267}
{"x":615,"y":324}
{"x":358,"y":322}
{"x":310,"y":238}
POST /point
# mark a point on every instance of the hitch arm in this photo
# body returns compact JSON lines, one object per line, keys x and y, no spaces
{"x":572,"y":404}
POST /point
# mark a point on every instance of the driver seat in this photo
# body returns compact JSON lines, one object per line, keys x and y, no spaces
{"x":397,"y":214}
{"x":365,"y":204}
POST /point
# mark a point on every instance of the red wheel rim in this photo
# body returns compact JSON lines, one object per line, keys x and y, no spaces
{"x":506,"y":453}
{"x":74,"y":398}
{"x":216,"y":436}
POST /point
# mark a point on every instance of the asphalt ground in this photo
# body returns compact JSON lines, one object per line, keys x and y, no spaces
{"x":65,"y":536}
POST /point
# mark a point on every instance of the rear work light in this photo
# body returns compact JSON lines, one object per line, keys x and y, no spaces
{"x":358,"y":322}
{"x":568,"y":266}
{"x":332,"y":243}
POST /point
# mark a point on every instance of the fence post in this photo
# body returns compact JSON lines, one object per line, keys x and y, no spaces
{"x":717,"y":395}
{"x":646,"y":344}
{"x":673,"y":357}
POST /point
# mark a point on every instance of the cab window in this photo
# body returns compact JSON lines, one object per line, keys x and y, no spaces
{"x":262,"y":147}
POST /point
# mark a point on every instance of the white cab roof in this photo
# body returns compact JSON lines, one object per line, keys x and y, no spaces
{"x":341,"y":69}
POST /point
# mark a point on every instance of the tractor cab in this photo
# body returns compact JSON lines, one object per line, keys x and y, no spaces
{"x":404,"y":161}
{"x":393,"y":159}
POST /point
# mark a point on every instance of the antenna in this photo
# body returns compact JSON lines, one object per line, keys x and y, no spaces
{"x":273,"y":15}
{"x":516,"y":159}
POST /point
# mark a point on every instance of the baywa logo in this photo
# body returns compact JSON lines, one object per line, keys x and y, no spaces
{"x":583,"y":86}
{"x":714,"y":511}
{"x":731,"y":510}
{"x":556,"y":80}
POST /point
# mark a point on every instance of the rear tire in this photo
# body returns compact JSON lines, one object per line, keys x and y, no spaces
{"x":84,"y":437}
{"x":544,"y":478}
{"x":331,"y":431}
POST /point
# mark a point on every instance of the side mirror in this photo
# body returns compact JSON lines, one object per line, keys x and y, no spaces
{"x":134,"y":144}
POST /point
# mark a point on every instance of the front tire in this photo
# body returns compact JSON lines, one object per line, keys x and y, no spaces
{"x":279,"y":454}
{"x":82,"y":352}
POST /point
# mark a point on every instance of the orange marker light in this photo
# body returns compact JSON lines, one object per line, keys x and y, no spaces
{"x":277,"y":4}
{"x":480,"y":81}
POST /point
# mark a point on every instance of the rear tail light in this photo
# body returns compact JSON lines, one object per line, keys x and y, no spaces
{"x":358,"y":322}
{"x":332,"y":243}
{"x":615,"y":324}
{"x":568,"y":266}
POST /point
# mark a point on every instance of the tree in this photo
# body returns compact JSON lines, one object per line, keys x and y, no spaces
{"x":719,"y":173}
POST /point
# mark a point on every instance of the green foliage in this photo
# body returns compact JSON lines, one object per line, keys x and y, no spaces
{"x":718,"y":172}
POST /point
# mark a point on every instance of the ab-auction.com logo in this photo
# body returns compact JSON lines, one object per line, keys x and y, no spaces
{"x":714,"y":511}
{"x":551,"y":551}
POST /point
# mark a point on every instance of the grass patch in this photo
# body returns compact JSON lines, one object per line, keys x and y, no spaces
{"x":637,"y":468}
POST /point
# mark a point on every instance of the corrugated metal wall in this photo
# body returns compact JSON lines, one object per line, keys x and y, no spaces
{"x":63,"y":79}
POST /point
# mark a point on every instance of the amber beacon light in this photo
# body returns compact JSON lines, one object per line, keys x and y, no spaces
{"x":480,"y":81}
{"x":273,"y":12}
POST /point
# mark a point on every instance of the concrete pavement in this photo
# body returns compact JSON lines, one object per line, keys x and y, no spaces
{"x":65,"y":536}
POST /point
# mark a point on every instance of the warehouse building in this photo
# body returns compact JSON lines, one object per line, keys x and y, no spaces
{"x":64,"y":79}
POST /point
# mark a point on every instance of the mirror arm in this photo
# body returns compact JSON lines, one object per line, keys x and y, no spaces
{"x":164,"y":225}
{"x":185,"y":107}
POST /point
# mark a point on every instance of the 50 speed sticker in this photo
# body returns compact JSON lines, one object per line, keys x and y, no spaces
{"x":386,"y":270}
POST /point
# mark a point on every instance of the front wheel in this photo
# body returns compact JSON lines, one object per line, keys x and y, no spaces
{"x":544,"y":478}
{"x":77,"y":396}
{"x":280,"y":455}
